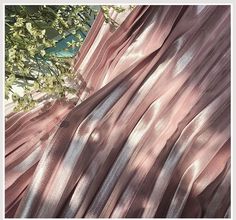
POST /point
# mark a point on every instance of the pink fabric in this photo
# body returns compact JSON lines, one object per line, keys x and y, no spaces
{"x":150,"y":135}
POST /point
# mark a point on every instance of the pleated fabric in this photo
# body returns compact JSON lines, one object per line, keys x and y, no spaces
{"x":150,"y":133}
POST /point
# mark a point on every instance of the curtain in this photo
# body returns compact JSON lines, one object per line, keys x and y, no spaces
{"x":149,"y":135}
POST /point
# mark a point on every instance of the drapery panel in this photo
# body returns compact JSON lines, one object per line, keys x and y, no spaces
{"x":150,"y":133}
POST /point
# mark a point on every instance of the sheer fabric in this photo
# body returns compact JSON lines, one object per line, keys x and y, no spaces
{"x":150,"y":133}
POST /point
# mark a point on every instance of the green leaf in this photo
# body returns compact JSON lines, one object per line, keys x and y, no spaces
{"x":42,"y":52}
{"x":15,"y":96}
{"x":28,"y":26}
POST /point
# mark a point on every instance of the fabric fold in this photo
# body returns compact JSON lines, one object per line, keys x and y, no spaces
{"x":150,"y":133}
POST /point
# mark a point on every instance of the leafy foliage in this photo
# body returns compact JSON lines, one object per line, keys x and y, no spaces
{"x":108,"y":19}
{"x":30,"y":31}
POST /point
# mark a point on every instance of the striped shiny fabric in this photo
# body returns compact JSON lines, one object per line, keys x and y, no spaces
{"x":150,"y":133}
